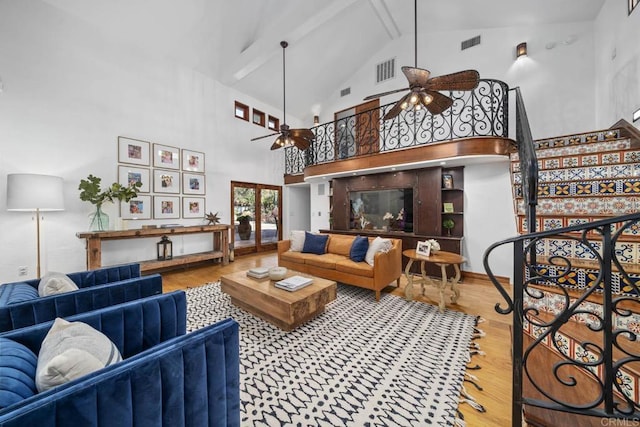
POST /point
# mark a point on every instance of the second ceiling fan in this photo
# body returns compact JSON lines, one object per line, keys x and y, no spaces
{"x":300,"y":138}
{"x":423,"y":90}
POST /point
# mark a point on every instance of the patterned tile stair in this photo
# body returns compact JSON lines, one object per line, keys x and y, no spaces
{"x":584,"y":178}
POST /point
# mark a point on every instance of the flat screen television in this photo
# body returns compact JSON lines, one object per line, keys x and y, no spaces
{"x":385,"y":210}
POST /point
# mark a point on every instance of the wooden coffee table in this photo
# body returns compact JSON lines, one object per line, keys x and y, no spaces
{"x":287,"y":310}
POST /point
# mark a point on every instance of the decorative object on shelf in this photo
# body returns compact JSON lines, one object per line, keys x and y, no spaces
{"x":434,"y":245}
{"x":36,"y":193}
{"x":423,"y":248}
{"x":244,"y":226}
{"x":448,"y":224}
{"x":90,"y":191}
{"x":277,"y":273}
{"x":395,"y":223}
{"x":212,"y":218}
{"x":165,"y":249}
{"x":447,"y":207}
{"x":447,"y":181}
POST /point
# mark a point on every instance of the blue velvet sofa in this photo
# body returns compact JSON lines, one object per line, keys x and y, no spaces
{"x":98,"y":289}
{"x":166,"y":378}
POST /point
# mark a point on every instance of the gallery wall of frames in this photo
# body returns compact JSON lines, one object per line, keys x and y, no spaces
{"x":173,"y":180}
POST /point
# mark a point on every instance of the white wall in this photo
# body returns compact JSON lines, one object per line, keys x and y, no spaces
{"x":297,"y":205}
{"x":617,"y":64}
{"x":68,"y":95}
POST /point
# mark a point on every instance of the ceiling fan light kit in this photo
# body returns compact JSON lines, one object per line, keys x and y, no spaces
{"x":424,"y":90}
{"x":300,"y":138}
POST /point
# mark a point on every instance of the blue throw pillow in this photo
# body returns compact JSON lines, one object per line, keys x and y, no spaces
{"x":17,"y":372}
{"x":13,"y":293}
{"x":315,"y":243}
{"x":359,"y":248}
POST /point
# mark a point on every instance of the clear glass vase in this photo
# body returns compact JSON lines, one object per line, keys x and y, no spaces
{"x":99,"y":221}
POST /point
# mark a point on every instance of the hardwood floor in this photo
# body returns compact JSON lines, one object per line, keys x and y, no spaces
{"x":478,"y":297}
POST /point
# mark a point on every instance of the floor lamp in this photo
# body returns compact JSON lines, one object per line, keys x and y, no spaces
{"x":34,"y":193}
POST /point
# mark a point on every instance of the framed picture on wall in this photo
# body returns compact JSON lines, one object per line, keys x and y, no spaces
{"x":133,"y":151}
{"x":166,"y":207}
{"x":166,"y":181}
{"x":192,"y":161}
{"x":136,"y":208}
{"x":193,"y":207}
{"x":128,"y":175}
{"x":165,"y":156}
{"x":192,"y":183}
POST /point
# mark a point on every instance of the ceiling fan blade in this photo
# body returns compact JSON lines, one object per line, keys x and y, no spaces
{"x":276,"y":143}
{"x":439,"y":102}
{"x":380,"y":95}
{"x":462,"y":80}
{"x":416,"y":76}
{"x":396,"y":109}
{"x":266,"y":136}
{"x":303,"y":133}
{"x":301,"y":143}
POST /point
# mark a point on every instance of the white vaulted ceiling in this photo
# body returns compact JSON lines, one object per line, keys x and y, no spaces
{"x":237,"y":41}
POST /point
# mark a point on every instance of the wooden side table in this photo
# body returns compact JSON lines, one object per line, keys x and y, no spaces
{"x":443,"y":260}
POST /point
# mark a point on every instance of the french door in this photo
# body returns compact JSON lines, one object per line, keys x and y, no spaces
{"x":256,"y":214}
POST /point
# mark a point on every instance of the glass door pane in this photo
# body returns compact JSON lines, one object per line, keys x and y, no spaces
{"x":244,"y":201}
{"x":269,"y":215}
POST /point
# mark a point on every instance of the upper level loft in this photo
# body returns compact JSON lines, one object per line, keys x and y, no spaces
{"x":475,"y":125}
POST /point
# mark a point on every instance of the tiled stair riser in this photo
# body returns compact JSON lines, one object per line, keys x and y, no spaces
{"x":587,"y":137}
{"x":575,"y":150}
{"x":586,"y":160}
{"x":583,"y":278}
{"x":554,"y":223}
{"x":617,"y":187}
{"x":626,"y":252}
{"x":617,"y":171}
{"x":567,"y":346}
{"x":584,"y":206}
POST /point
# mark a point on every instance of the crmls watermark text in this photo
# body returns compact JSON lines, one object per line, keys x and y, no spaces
{"x":615,"y":422}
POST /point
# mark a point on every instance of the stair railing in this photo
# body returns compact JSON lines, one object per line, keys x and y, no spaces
{"x":480,"y":112}
{"x":604,"y":360}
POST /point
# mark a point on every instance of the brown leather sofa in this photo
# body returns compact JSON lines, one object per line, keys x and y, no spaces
{"x":336,"y":265}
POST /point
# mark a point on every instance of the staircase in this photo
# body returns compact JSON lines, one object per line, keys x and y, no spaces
{"x":582,"y":178}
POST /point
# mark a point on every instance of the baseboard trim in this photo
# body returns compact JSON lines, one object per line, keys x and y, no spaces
{"x":479,"y":276}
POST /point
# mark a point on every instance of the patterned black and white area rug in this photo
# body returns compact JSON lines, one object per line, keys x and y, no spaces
{"x":361,"y":363}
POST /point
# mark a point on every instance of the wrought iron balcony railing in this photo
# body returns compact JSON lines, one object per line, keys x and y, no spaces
{"x":481,"y":112}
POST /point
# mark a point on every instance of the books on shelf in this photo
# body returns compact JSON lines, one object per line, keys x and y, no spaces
{"x":294,"y":283}
{"x":258,"y":272}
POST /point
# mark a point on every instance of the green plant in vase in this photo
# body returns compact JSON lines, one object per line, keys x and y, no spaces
{"x":244,"y":225}
{"x":90,"y":191}
{"x":448,"y":224}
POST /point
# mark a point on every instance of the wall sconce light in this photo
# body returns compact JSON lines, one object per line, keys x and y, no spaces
{"x":521,"y":50}
{"x":165,"y":249}
{"x":316,"y":120}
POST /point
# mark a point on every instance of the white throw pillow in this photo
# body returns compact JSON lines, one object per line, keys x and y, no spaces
{"x":72,"y":350}
{"x":377,"y":245}
{"x":297,"y":240}
{"x":55,"y":283}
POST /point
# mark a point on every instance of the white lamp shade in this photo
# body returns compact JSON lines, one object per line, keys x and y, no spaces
{"x":28,"y":192}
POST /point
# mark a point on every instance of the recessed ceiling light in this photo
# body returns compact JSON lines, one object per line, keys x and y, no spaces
{"x":393,"y":169}
{"x":443,"y":163}
{"x":550,"y":45}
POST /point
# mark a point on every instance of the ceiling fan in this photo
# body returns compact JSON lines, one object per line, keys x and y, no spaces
{"x":424,"y":90}
{"x":300,"y":138}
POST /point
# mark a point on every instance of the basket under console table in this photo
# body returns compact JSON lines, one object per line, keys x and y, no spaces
{"x":220,"y":251}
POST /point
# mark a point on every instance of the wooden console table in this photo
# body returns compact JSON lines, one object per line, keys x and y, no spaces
{"x":220,"y":245}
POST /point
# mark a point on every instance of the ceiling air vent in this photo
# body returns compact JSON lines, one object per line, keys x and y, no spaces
{"x":474,"y":41}
{"x":345,"y":92}
{"x":386,"y":70}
